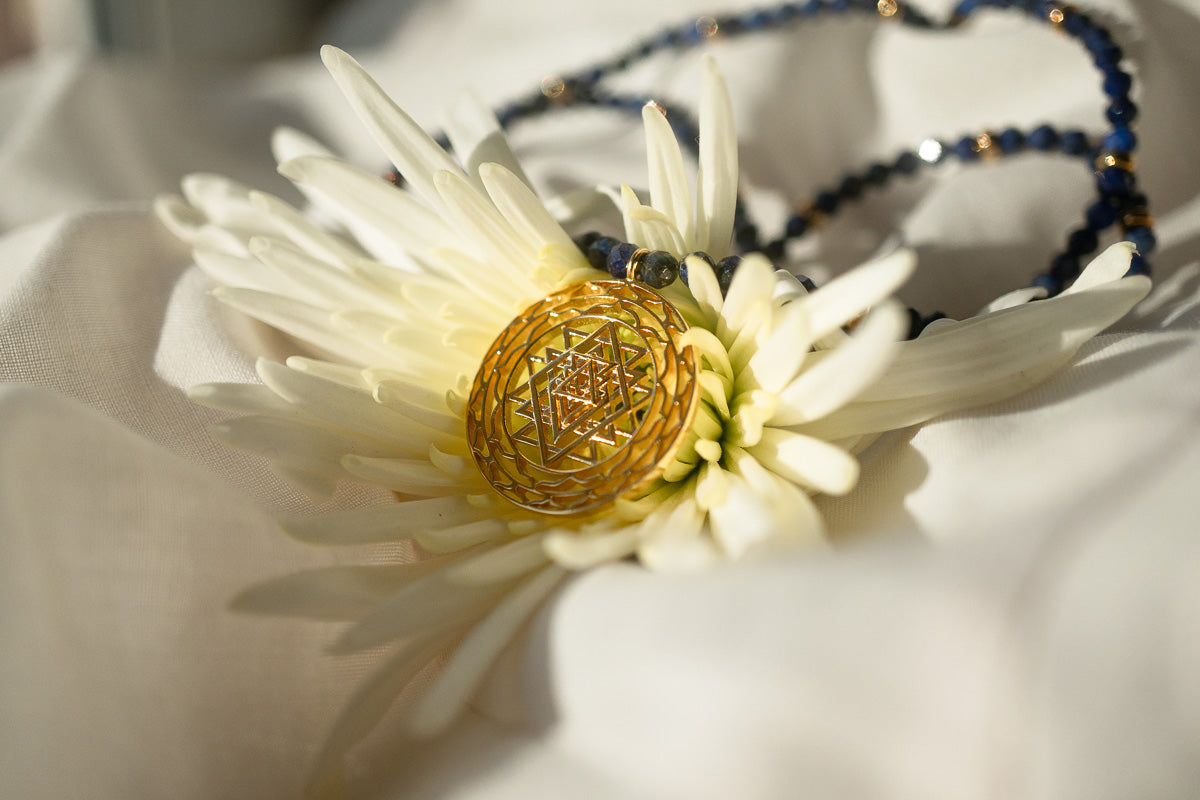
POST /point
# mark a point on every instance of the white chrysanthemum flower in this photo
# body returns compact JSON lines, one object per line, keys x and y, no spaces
{"x":400,"y":310}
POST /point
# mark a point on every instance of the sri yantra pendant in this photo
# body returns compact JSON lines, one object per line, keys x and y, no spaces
{"x":585,"y":397}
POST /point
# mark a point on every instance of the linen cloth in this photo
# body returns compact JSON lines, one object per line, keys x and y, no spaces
{"x":1013,"y":608}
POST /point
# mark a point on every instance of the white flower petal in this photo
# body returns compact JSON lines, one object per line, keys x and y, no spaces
{"x":386,"y":523}
{"x":518,"y":204}
{"x":417,"y":156}
{"x":718,"y":176}
{"x":304,"y":233}
{"x":338,"y":594}
{"x":475,"y":134}
{"x":1109,"y":266}
{"x":464,"y":672}
{"x":503,"y":563}
{"x":812,"y":463}
{"x":669,"y":193}
{"x":575,"y":550}
{"x":834,"y":377}
{"x":845,"y":297}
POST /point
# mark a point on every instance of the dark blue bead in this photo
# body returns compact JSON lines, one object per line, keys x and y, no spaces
{"x":797,"y":226}
{"x":1116,"y":83}
{"x":584,"y":240}
{"x":1075,"y":23}
{"x":1096,"y":38}
{"x":877,"y":174}
{"x":839,"y":5}
{"x":598,"y":250}
{"x":1101,"y":214}
{"x":1046,"y":282}
{"x":618,"y":259}
{"x":1115,"y":181}
{"x":746,"y":237}
{"x":965,"y":149}
{"x":1074,"y":143}
{"x":1043,"y":137}
{"x":1143,"y":239}
{"x":1011,"y":140}
{"x":1107,"y":56}
{"x":826,"y":202}
{"x":907,"y":163}
{"x":775,"y":250}
{"x":1064,"y":267}
{"x":725,"y":269}
{"x":1121,"y":140}
{"x":658,"y":269}
{"x":1122,"y":111}
{"x":807,"y":282}
{"x":966,"y":7}
{"x":851,"y":187}
{"x":1138,"y":265}
{"x":1082,"y":242}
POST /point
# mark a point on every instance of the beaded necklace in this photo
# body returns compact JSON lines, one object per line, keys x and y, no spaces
{"x":1110,"y":156}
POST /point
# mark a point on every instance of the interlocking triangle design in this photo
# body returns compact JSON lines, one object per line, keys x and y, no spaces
{"x":583,"y":396}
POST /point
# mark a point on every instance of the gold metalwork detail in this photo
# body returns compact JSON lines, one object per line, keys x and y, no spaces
{"x":584,"y":398}
{"x":1125,"y":162}
{"x":707,"y":27}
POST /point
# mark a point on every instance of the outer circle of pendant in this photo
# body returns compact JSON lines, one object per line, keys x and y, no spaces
{"x":584,"y":398}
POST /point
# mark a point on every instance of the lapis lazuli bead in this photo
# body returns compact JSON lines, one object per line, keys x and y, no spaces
{"x":1073,"y":142}
{"x":876,"y":174}
{"x":618,"y":259}
{"x":1044,"y":281}
{"x":1121,"y":140}
{"x":1011,"y":140}
{"x":598,"y":250}
{"x":796,"y":226}
{"x":907,"y":163}
{"x":1043,"y":137}
{"x":1064,"y":267}
{"x":1143,"y":239}
{"x":746,"y":237}
{"x":1115,"y":181}
{"x":1138,"y":265}
{"x":851,"y":187}
{"x":964,"y":148}
{"x":658,"y":269}
{"x":1101,"y":214}
{"x":1122,"y":111}
{"x":1116,"y":83}
{"x":826,"y":202}
{"x":726,"y":267}
{"x":1082,"y":242}
{"x":1076,"y":23}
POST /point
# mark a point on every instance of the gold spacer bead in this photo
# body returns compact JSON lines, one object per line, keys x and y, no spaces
{"x":635,"y":261}
{"x":985,"y":145}
{"x":887,"y":8}
{"x":1135,"y":219}
{"x":1056,"y":16}
{"x":1106,"y":160}
{"x":707,"y":27}
{"x":813,"y":215}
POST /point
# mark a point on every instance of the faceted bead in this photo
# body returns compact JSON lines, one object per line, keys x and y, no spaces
{"x":584,"y":240}
{"x":775,"y":250}
{"x":746,"y":237}
{"x":1121,"y":140}
{"x":618,"y":259}
{"x":658,"y":269}
{"x":1043,"y":137}
{"x":725,"y":269}
{"x":1046,"y":282}
{"x":907,"y":163}
{"x":797,"y":226}
{"x":877,"y":174}
{"x":1122,"y":111}
{"x":1073,"y":142}
{"x":851,"y":187}
{"x":1082,"y":242}
{"x":1114,"y":180}
{"x":1101,"y":214}
{"x":1064,"y":267}
{"x":1116,"y":83}
{"x":1138,"y":265}
{"x":598,"y":250}
{"x":826,"y":202}
{"x":965,"y":149}
{"x":1143,"y":239}
{"x":1011,"y":140}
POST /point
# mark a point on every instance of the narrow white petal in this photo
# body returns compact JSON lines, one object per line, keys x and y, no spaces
{"x":702,"y":282}
{"x":412,"y":476}
{"x":242,"y":398}
{"x":845,"y":297}
{"x":669,"y":191}
{"x":717,"y":181}
{"x":831,"y":378}
{"x":295,"y":441}
{"x":362,"y":200}
{"x":779,"y":357}
{"x":1111,"y":265}
{"x":409,"y":148}
{"x":452,"y":538}
{"x":502,"y":563}
{"x":340,"y":594}
{"x":749,"y":298}
{"x":576,"y":550}
{"x":523,"y":210}
{"x":476,"y":136}
{"x":245,"y":273}
{"x":305,"y":233}
{"x":302,"y":320}
{"x":659,"y":232}
{"x":812,"y":463}
{"x":1017,"y":297}
{"x":288,"y":143}
{"x":318,"y":278}
{"x":386,"y":523}
{"x":465,"y":670}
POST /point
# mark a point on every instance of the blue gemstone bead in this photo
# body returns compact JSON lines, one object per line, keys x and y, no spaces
{"x":1073,"y":142}
{"x":877,"y":174}
{"x":1115,"y":181}
{"x":851,"y":187}
{"x":1121,"y":140}
{"x":1011,"y":140}
{"x":1107,"y":56}
{"x":1046,"y":282}
{"x":1096,"y":38}
{"x":826,"y":202}
{"x":966,"y":7}
{"x":1082,"y":242}
{"x":1122,"y":111}
{"x":1143,"y":239}
{"x":1138,"y":265}
{"x":1116,"y":83}
{"x":1043,"y":137}
{"x":746,"y":237}
{"x":618,"y":259}
{"x":907,"y":163}
{"x":598,"y":250}
{"x":1064,"y":267}
{"x":1101,"y":214}
{"x":775,"y":250}
{"x":796,"y":227}
{"x":965,"y":149}
{"x":726,"y":267}
{"x":1075,"y":23}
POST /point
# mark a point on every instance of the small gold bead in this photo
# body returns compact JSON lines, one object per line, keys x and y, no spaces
{"x":707,"y":27}
{"x":1055,"y":16}
{"x":812,"y":215}
{"x":985,"y":145}
{"x":1137,"y":218}
{"x":1106,"y":160}
{"x":635,"y":261}
{"x":553,"y":86}
{"x":887,"y":8}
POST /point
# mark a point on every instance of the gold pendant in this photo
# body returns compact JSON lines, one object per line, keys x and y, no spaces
{"x":584,"y":398}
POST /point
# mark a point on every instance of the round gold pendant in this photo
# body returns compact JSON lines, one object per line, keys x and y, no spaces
{"x":585,"y":397}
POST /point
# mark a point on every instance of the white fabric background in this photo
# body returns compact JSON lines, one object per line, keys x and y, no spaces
{"x":1015,"y":607}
